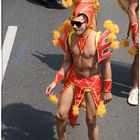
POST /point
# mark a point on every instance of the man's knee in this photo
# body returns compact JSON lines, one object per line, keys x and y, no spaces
{"x":61,"y":115}
{"x":91,"y":120}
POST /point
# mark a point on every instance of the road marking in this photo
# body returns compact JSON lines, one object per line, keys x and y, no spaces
{"x":121,"y":84}
{"x":7,"y":47}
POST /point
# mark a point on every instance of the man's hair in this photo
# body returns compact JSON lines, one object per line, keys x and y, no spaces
{"x":84,"y":16}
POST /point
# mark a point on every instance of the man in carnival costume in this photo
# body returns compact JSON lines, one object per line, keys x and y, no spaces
{"x":85,"y":50}
{"x":131,"y":7}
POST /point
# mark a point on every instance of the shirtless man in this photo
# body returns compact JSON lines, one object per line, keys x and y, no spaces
{"x":132,"y":13}
{"x":82,"y":57}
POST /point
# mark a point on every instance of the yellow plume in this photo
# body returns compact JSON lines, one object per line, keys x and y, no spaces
{"x":56,"y":42}
{"x":124,"y":43}
{"x":114,"y":28}
{"x":133,"y":51}
{"x":61,"y":29}
{"x":67,"y":3}
{"x":53,"y":99}
{"x":115,"y":45}
{"x":108,"y":24}
{"x":97,"y":5}
{"x":75,"y":110}
{"x":101,"y":110}
{"x":56,"y":34}
{"x":67,"y":25}
{"x":112,"y":37}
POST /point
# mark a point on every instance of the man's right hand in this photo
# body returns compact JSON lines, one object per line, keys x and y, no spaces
{"x":50,"y":88}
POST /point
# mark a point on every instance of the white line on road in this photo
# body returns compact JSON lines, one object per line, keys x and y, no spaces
{"x":121,"y":84}
{"x":7,"y":47}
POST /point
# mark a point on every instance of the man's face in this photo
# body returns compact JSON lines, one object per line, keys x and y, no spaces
{"x":79,"y":25}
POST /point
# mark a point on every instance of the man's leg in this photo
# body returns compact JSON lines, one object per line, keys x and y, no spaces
{"x":133,"y":96}
{"x":62,"y":111}
{"x":135,"y":72}
{"x":91,"y":117}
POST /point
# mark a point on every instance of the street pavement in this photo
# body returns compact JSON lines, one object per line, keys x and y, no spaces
{"x":26,"y":112}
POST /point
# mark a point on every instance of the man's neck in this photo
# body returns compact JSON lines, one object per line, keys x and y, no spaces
{"x":85,"y":33}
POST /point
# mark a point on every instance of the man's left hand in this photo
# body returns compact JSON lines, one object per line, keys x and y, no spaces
{"x":107,"y":97}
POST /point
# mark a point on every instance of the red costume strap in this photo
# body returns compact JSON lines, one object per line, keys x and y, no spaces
{"x":59,"y":77}
{"x":107,"y":85}
{"x":135,"y":32}
{"x":82,"y":42}
{"x":135,"y":28}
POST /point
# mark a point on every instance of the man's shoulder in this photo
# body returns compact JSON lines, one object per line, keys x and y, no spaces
{"x":93,"y":33}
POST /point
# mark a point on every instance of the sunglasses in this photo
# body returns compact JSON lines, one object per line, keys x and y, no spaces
{"x":77,"y":23}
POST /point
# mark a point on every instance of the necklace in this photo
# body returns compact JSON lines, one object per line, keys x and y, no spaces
{"x":82,"y":41}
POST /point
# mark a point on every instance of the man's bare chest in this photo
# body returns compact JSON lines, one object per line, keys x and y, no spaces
{"x":88,"y":51}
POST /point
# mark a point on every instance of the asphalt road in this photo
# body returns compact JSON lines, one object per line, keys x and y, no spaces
{"x":26,"y":112}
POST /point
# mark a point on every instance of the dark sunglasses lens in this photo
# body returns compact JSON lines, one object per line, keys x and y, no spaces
{"x":77,"y":23}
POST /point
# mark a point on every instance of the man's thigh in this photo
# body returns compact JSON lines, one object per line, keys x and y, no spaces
{"x":65,"y":101}
{"x":90,"y":105}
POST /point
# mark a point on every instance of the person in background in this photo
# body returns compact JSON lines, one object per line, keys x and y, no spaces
{"x":134,"y":26}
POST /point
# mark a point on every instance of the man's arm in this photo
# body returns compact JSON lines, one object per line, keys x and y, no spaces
{"x":60,"y":74}
{"x":132,"y":13}
{"x":132,"y":9}
{"x":106,"y":65}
